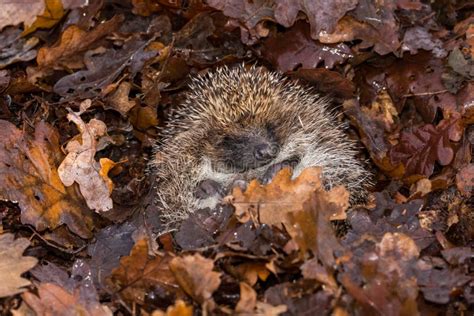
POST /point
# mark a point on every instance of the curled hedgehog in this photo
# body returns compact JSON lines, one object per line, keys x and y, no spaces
{"x":238,"y":124}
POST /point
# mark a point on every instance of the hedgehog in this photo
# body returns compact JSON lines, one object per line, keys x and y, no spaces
{"x":238,"y":124}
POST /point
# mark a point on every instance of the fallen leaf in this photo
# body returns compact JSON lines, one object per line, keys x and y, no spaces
{"x":195,"y":276}
{"x":248,"y":299}
{"x":418,"y":37}
{"x":103,"y":66}
{"x":388,"y":274}
{"x":80,"y":166}
{"x":419,"y":149}
{"x":465,"y":180}
{"x":54,"y":300}
{"x":13,"y":264}
{"x":14,"y":48}
{"x":52,"y":14}
{"x":29,"y":177}
{"x":119,"y":100}
{"x":73,"y":41}
{"x":294,"y":48}
{"x":139,"y":274}
{"x":302,"y":205}
{"x":272,"y":202}
{"x":16,"y":12}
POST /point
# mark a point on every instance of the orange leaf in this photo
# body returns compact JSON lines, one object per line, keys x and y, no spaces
{"x":29,"y":176}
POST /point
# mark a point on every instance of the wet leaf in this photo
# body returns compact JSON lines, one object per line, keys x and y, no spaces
{"x":103,"y":66}
{"x":14,"y":48}
{"x":420,"y":149}
{"x":74,"y":41}
{"x":295,"y":48}
{"x":13,"y":264}
{"x":28,"y":171}
{"x":54,"y":300}
{"x":138,"y":274}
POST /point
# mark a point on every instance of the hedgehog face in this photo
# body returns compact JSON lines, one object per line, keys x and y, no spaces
{"x":240,"y":149}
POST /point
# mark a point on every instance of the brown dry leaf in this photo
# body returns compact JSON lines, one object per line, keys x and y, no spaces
{"x":195,"y":276}
{"x":138,"y":274}
{"x":419,"y":149}
{"x":103,"y":66}
{"x":248,"y":299}
{"x":52,"y":14}
{"x":13,"y":264}
{"x":73,"y":41}
{"x":80,"y":166}
{"x":54,"y":300}
{"x":271,"y":203}
{"x":14,"y":48}
{"x":178,"y":309}
{"x":145,"y":7}
{"x":465,"y":180}
{"x":265,"y":309}
{"x":251,"y":272}
{"x":322,"y":15}
{"x":390,"y":284}
{"x":16,"y":12}
{"x":312,"y":269}
{"x":119,"y":100}
{"x":301,"y":205}
{"x":29,"y":176}
{"x":295,"y":48}
{"x":373,"y":124}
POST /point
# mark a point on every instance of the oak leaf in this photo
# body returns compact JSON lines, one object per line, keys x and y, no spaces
{"x":29,"y":176}
{"x":419,"y":149}
{"x":54,"y":300}
{"x":138,"y":274}
{"x":302,"y":205}
{"x":13,"y":264}
{"x":195,"y":276}
{"x":80,"y":166}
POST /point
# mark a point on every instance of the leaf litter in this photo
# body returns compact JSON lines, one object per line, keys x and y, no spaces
{"x":84,"y":86}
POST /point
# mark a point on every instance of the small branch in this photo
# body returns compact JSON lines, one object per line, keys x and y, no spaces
{"x":422,"y":94}
{"x":62,"y":249}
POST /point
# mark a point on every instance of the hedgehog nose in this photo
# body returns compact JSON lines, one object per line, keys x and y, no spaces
{"x":264,"y":152}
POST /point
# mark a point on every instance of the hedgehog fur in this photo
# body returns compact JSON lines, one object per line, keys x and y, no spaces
{"x":228,"y":116}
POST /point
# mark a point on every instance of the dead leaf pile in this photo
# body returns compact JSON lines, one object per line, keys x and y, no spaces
{"x":85,"y":86}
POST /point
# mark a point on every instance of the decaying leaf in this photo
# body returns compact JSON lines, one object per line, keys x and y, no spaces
{"x":29,"y":177}
{"x":465,"y":180}
{"x":13,"y":264}
{"x":284,"y":195}
{"x":194,"y":274}
{"x":80,"y":166}
{"x":14,"y":48}
{"x":302,"y":205}
{"x":420,"y":149}
{"x":248,"y":299}
{"x":16,"y":12}
{"x":54,"y":300}
{"x":140,"y":274}
{"x":103,"y":66}
{"x":73,"y":41}
{"x":119,"y":99}
{"x":295,"y":48}
{"x":389,"y":277}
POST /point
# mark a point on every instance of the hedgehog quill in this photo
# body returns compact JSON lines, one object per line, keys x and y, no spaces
{"x":239,"y":124}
